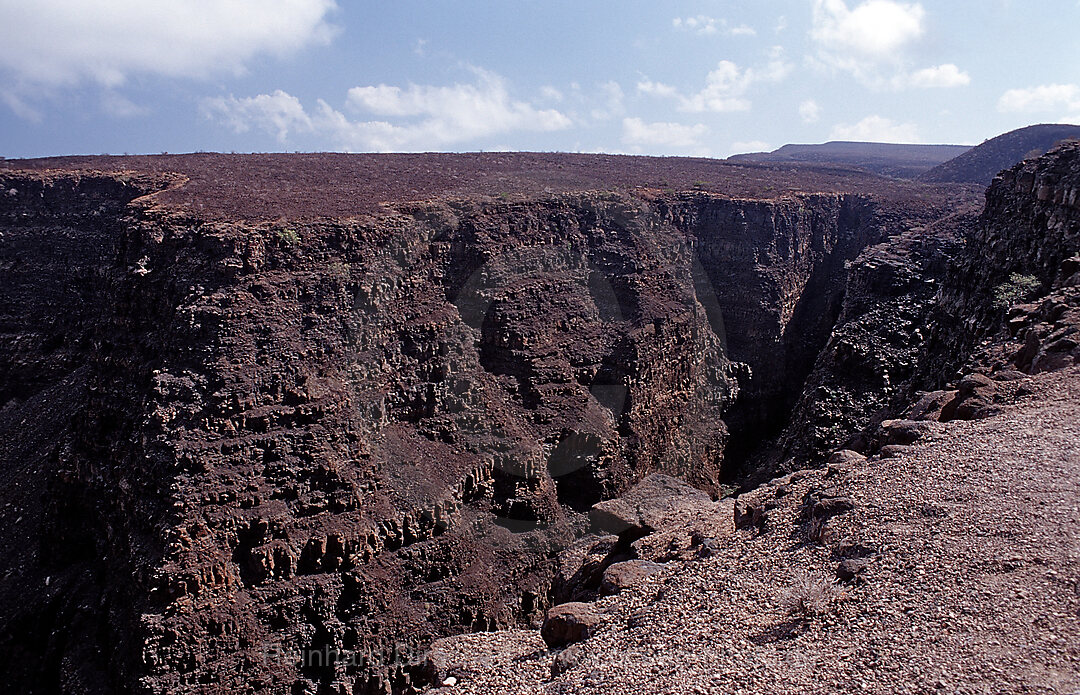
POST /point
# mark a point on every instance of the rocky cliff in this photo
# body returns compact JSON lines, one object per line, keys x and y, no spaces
{"x":278,"y":455}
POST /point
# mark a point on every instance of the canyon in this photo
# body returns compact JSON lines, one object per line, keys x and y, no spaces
{"x":262,"y":409}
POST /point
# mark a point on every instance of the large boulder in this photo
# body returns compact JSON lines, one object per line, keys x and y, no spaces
{"x":657,"y":502}
{"x":624,"y":575}
{"x":569,"y":623}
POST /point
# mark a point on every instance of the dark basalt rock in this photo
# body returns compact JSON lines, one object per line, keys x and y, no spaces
{"x":231,"y":446}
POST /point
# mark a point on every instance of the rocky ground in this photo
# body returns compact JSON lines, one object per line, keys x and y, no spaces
{"x":961,"y":554}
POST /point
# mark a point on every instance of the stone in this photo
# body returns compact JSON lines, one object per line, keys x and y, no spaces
{"x":891,"y":451}
{"x":846,"y":456}
{"x":831,"y":506}
{"x":903,"y":431}
{"x":570,"y":623}
{"x":565,"y":660}
{"x":624,"y":575}
{"x":930,"y":405}
{"x":851,"y":568}
{"x":655,"y":502}
{"x":975,"y":383}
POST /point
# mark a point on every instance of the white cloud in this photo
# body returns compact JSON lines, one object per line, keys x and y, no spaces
{"x":549,"y":93}
{"x":611,"y":98}
{"x":725,"y":86}
{"x":875,"y":28}
{"x":947,"y":75}
{"x":701,"y":24}
{"x":809,"y":111}
{"x":751,"y":146}
{"x":19,"y":107}
{"x":704,"y":25}
{"x":416,"y":118}
{"x":63,"y":42}
{"x":870,"y":39}
{"x":119,"y":106}
{"x":638,"y":133}
{"x":278,"y":113}
{"x":877,"y":129}
{"x":1042,"y":99}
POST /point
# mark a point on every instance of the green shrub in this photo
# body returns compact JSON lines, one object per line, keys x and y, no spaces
{"x":288,"y":236}
{"x":1015,"y":290}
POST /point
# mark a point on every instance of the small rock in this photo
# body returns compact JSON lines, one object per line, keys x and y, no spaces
{"x":891,"y":451}
{"x":569,"y":623}
{"x":831,"y":506}
{"x":565,"y":660}
{"x":851,"y":568}
{"x":708,"y":548}
{"x":450,"y":682}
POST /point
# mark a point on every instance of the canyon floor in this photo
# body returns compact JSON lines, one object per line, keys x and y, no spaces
{"x":972,"y":585}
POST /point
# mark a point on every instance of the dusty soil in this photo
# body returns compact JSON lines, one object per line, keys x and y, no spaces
{"x":327,"y":185}
{"x":972,"y":583}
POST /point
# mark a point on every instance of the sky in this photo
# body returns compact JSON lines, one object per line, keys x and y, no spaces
{"x":701,"y":78}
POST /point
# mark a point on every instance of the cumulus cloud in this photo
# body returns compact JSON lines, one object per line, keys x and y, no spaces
{"x":947,"y":75}
{"x":704,"y":25}
{"x":876,"y":129}
{"x":278,"y":113}
{"x":412,"y":118}
{"x":638,"y":133}
{"x":64,"y":42}
{"x":1048,"y":98}
{"x":872,"y":41}
{"x":874,"y":29}
{"x":809,"y":111}
{"x":725,"y":87}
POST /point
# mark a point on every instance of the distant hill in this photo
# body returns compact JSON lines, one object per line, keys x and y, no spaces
{"x":900,"y":161}
{"x":982,"y":163}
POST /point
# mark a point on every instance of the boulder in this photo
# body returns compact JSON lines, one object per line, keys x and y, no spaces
{"x":930,"y":405}
{"x":623,"y":575}
{"x":570,"y":623}
{"x":654,"y":503}
{"x":903,"y":431}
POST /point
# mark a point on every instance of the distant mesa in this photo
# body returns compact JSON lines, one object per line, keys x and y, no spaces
{"x":886,"y":159}
{"x":982,"y":163}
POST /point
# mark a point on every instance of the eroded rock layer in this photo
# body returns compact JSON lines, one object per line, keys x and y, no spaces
{"x":281,"y":456}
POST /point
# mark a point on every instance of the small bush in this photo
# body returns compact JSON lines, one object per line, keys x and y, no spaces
{"x":810,"y":595}
{"x":288,"y":236}
{"x":1014,"y":290}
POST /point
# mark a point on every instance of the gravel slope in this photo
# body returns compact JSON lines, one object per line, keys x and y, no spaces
{"x":972,"y":584}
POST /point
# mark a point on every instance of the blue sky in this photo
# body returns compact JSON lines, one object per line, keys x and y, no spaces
{"x":687,"y":78}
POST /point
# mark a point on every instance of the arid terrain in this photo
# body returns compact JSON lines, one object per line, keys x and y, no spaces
{"x":491,"y":423}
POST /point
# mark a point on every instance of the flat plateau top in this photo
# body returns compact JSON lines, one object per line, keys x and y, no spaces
{"x":297,"y":186}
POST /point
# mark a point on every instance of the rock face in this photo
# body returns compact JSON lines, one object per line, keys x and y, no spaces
{"x":1020,"y":247}
{"x":235,"y":448}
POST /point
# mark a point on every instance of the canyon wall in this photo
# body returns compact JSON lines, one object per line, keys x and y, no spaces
{"x":234,"y":448}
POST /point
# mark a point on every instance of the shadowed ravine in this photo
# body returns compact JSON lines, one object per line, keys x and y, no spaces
{"x":230,"y":443}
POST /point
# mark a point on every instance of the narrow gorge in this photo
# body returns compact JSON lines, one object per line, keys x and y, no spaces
{"x":230,"y":444}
